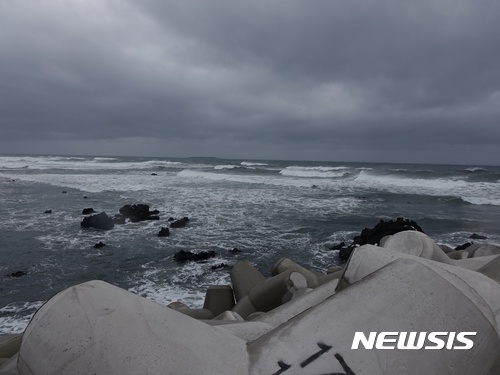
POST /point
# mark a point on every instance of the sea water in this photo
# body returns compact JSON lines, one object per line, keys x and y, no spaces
{"x":266,"y":209}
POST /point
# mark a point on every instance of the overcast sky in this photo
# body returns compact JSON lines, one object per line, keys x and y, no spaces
{"x":340,"y":80}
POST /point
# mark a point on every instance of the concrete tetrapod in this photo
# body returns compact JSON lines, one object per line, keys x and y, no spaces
{"x":475,"y":264}
{"x":492,"y":269}
{"x":270,"y":294}
{"x":417,"y":244}
{"x":285,"y":264}
{"x":367,"y":259}
{"x":97,"y":328}
{"x":404,"y":296}
{"x":244,"y":278}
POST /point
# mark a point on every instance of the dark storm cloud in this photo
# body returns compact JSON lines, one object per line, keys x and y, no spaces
{"x":327,"y":79}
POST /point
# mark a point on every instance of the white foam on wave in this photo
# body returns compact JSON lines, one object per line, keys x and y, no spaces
{"x":475,"y":169}
{"x":252,"y":179}
{"x":228,"y":166}
{"x":15,"y":316}
{"x":95,"y":183}
{"x":402,"y":182}
{"x":187,"y":285}
{"x":77,"y":163}
{"x":315,"y":172}
{"x":165,"y":294}
{"x":481,"y":201}
{"x":253,"y":164}
{"x":479,"y":193}
{"x":364,"y":169}
{"x":104,"y":159}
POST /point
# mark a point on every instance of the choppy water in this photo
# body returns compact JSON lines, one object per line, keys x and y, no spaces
{"x":267,"y":209}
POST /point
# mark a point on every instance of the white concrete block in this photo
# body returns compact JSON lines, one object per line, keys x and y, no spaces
{"x":285,"y":264}
{"x":475,"y":263}
{"x":417,"y":244}
{"x":369,"y":258}
{"x":491,"y":269}
{"x":404,"y":296}
{"x":485,"y":250}
{"x":97,"y":328}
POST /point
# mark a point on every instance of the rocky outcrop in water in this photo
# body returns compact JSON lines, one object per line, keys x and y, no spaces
{"x":476,"y":236}
{"x":99,"y":221}
{"x":139,"y":212}
{"x":164,"y":232}
{"x":17,"y":274}
{"x":372,"y":236}
{"x":183,"y":256}
{"x":88,"y":211}
{"x":181,"y":223}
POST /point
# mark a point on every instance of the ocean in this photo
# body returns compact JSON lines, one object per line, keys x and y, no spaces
{"x":267,"y":209}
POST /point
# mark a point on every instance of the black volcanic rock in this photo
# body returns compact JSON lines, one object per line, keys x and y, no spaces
{"x":139,"y":212}
{"x":374,"y":235}
{"x":179,"y":223}
{"x":476,"y":236}
{"x":118,"y":219}
{"x":218,"y":266}
{"x":48,"y":212}
{"x":17,"y":274}
{"x":164,"y":232}
{"x":88,"y":211}
{"x":183,"y":256}
{"x":99,"y":221}
{"x":463,"y":246}
{"x":99,"y":245}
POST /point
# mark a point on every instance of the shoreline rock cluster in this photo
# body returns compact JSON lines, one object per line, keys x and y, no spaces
{"x":296,"y":321}
{"x":133,"y":213}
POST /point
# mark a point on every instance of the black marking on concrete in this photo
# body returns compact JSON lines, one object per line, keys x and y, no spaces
{"x":283,"y":367}
{"x":324,"y":348}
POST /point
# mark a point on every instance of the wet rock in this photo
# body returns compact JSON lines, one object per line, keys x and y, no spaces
{"x":48,"y":212}
{"x":64,"y":192}
{"x":338,"y":246}
{"x":183,"y":256}
{"x":179,"y":223}
{"x":218,"y":266}
{"x":99,"y":221}
{"x":139,"y":212}
{"x":463,"y":246}
{"x":171,"y":219}
{"x":235,"y":250}
{"x":164,"y":232}
{"x":154,"y":174}
{"x":373,"y":235}
{"x":476,"y":236}
{"x":119,"y":219}
{"x":88,"y":211}
{"x":17,"y":274}
{"x":99,"y":245}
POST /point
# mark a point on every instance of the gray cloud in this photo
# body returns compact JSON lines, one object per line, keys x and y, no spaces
{"x":329,"y":79}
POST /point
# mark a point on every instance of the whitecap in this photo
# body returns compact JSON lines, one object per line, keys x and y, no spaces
{"x":481,"y":201}
{"x":475,"y":169}
{"x":484,"y":192}
{"x":253,"y":164}
{"x":315,"y":172}
{"x":15,"y":316}
{"x":228,"y":166}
